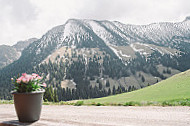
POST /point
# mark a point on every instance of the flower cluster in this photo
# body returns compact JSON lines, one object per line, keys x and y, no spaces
{"x":28,"y":83}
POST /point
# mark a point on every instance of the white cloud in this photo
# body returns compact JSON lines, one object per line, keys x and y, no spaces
{"x":24,"y":19}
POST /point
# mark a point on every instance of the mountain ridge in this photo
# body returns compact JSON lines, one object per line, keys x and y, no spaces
{"x":62,"y":27}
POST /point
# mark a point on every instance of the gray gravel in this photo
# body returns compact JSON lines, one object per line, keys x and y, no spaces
{"x":54,"y":115}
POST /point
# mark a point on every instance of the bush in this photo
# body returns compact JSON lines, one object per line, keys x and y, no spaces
{"x":99,"y":104}
{"x":131,"y":103}
{"x":167,"y":103}
{"x":79,"y":103}
{"x":183,"y":103}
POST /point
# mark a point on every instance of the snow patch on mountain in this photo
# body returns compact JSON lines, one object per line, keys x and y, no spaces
{"x":101,"y":32}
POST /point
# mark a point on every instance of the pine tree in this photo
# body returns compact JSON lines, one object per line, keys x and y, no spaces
{"x":133,"y":88}
{"x":164,"y":71}
{"x":143,"y":79}
{"x":97,"y":81}
{"x":168,"y":71}
{"x":129,"y":89}
{"x":55,"y":97}
{"x":109,"y":91}
{"x":49,"y":94}
{"x":100,"y":86}
{"x":107,"y":83}
{"x":114,"y":90}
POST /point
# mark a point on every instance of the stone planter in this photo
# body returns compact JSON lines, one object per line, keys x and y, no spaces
{"x":28,"y":105}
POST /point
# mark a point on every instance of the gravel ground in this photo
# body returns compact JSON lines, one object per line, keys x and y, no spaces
{"x":54,"y":115}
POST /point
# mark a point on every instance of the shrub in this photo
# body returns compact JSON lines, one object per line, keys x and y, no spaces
{"x":79,"y":103}
{"x":131,"y":103}
{"x":99,"y":104}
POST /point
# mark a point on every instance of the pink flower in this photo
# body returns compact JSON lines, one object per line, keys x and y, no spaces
{"x":35,"y":75}
{"x":24,"y":80}
{"x":39,"y":78}
{"x":29,"y":77}
{"x":19,"y":79}
{"x":24,"y":74}
{"x":44,"y":85}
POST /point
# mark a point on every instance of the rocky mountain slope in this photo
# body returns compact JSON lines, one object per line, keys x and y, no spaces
{"x":86,"y":54}
{"x":11,"y":53}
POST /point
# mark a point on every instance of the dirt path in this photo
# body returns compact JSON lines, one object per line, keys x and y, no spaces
{"x":103,"y":116}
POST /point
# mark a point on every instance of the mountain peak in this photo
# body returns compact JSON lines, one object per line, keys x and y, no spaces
{"x":73,"y":20}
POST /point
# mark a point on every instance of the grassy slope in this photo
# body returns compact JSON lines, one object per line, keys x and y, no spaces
{"x":175,"y":87}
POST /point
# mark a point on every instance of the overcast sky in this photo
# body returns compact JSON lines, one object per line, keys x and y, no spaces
{"x":24,"y":19}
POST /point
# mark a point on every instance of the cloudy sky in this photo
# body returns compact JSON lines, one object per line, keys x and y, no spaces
{"x":24,"y":19}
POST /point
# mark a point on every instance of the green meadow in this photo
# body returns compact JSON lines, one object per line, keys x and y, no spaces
{"x":173,"y":89}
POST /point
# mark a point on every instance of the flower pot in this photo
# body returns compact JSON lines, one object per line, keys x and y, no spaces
{"x":28,"y":105}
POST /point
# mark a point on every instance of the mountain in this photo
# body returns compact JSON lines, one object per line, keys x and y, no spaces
{"x":174,"y":88}
{"x":12,"y":53}
{"x":97,"y":56}
{"x":21,"y":45}
{"x":8,"y":55}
